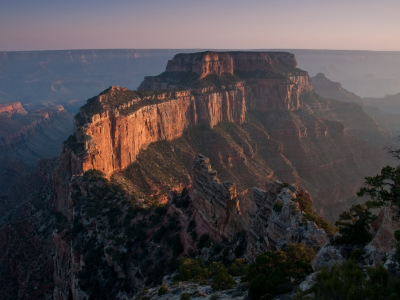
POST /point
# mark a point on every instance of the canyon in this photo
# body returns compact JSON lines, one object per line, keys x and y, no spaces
{"x":131,"y":191}
{"x":278,"y":123}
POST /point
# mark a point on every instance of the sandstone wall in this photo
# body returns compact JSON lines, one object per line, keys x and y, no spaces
{"x":113,"y":140}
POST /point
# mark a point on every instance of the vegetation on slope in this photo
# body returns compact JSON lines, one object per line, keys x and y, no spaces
{"x":112,"y":230}
{"x":312,"y":216}
{"x":349,"y":281}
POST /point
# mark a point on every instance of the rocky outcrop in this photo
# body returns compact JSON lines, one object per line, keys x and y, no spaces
{"x":216,"y":201}
{"x":112,"y":139}
{"x":283,"y":138}
{"x":218,"y":63}
{"x":15,"y":133}
{"x":272,"y":219}
{"x":333,"y":90}
{"x":279,"y":221}
{"x":11,"y":109}
{"x":380,"y":251}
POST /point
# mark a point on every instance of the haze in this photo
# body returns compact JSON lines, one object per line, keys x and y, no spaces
{"x":305,"y":24}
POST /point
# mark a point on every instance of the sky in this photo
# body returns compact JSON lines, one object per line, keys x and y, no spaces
{"x":202,"y":24}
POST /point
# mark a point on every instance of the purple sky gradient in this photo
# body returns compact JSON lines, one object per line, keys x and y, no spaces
{"x":205,"y":24}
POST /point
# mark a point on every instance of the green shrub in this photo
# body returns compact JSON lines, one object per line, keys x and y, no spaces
{"x":178,"y":246}
{"x":162,"y":290}
{"x":196,"y":269}
{"x":356,"y":254}
{"x":222,"y":280}
{"x":397,"y":235}
{"x":185,"y":296}
{"x":214,"y":297}
{"x":278,"y":205}
{"x":276,"y":272}
{"x":312,"y":216}
{"x":238,"y":267}
{"x":349,"y":281}
{"x":354,"y":225}
{"x":204,"y":241}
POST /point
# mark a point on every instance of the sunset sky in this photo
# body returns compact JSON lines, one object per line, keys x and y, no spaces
{"x":206,"y":24}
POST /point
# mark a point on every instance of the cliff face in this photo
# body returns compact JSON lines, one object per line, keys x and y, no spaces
{"x":216,"y":201}
{"x":207,"y":63}
{"x":113,"y":136}
{"x":113,"y":139}
{"x":271,"y":80}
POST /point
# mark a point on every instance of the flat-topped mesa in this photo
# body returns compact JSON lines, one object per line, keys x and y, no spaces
{"x":270,"y":79}
{"x":218,"y":63}
{"x":201,"y":89}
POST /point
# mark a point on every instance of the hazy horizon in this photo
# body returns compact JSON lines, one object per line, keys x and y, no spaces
{"x":179,"y":24}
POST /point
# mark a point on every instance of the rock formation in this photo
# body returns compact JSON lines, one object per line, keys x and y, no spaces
{"x":215,"y":201}
{"x":333,"y":90}
{"x":351,"y":111}
{"x":279,"y":221}
{"x":272,"y":219}
{"x":12,"y":108}
{"x":380,"y":251}
{"x":210,"y":88}
{"x":24,"y":135}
